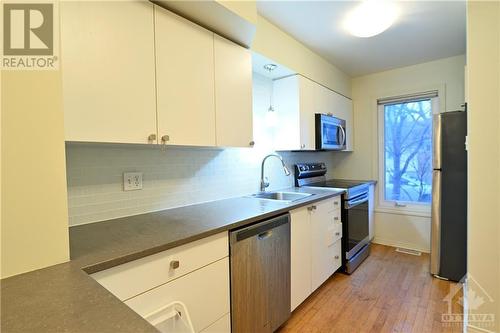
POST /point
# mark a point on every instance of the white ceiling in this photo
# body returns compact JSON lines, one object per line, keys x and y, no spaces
{"x":424,"y":31}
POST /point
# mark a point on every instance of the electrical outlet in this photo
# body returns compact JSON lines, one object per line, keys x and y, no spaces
{"x":132,"y":181}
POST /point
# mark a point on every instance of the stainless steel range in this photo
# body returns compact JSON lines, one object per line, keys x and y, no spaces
{"x":355,"y":223}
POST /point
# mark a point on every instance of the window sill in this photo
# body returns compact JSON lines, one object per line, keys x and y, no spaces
{"x":404,"y":211}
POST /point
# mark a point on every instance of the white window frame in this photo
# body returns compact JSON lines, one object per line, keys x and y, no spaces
{"x":403,"y":207}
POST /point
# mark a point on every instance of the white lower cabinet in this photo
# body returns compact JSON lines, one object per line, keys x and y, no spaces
{"x":204,"y":292}
{"x":220,"y":326}
{"x":316,"y":247}
{"x":300,"y":265}
{"x":137,"y":276}
{"x":323,"y":230}
{"x":192,"y":278}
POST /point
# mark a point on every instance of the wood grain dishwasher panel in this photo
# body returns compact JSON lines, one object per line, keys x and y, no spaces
{"x":260,"y":275}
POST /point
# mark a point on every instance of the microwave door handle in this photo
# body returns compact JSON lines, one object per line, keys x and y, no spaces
{"x":338,"y":132}
{"x":344,"y":136}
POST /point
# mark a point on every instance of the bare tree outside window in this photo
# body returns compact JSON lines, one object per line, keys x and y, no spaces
{"x":408,"y":151}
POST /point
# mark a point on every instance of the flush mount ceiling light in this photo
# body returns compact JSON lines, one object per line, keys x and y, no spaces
{"x":270,"y":67}
{"x":370,"y":18}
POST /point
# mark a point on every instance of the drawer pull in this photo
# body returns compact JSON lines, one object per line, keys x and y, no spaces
{"x":174,"y":264}
{"x":336,"y":203}
{"x":337,"y":234}
{"x":336,"y":257}
{"x":336,"y":218}
{"x":313,"y":207}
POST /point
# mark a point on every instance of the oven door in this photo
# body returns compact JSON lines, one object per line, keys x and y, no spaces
{"x":355,"y":224}
{"x":330,"y":132}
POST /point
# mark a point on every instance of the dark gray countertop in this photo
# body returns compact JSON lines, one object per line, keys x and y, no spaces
{"x":64,"y":298}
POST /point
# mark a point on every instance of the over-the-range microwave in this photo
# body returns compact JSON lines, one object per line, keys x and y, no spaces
{"x":330,"y":132}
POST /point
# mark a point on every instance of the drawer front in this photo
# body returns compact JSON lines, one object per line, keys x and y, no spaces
{"x":222,"y":325}
{"x":329,"y":205}
{"x":204,"y":292}
{"x":336,"y":202}
{"x":334,"y":233}
{"x":137,"y":276}
{"x":336,"y":250}
{"x":336,"y":216}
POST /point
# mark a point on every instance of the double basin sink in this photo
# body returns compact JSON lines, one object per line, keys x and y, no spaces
{"x":281,"y":196}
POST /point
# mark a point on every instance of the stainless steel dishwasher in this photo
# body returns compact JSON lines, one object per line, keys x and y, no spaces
{"x":260,"y":276}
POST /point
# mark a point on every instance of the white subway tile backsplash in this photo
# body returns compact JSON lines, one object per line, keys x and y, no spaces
{"x":172,"y":177}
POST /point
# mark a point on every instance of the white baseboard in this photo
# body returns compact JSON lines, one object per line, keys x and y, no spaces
{"x":394,"y":243}
{"x":474,"y":329}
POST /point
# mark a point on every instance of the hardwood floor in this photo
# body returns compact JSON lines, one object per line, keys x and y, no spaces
{"x":389,"y":292}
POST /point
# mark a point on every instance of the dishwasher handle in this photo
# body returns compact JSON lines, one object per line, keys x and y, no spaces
{"x":262,"y":230}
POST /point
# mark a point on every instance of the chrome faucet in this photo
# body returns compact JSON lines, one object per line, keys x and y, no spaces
{"x":264,"y":183}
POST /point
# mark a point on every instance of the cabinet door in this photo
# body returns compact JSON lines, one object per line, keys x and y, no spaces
{"x":300,"y":256}
{"x":286,"y":105}
{"x":223,"y":325}
{"x":322,"y":252}
{"x":342,"y":108}
{"x":323,"y":99}
{"x":233,"y":94}
{"x":204,"y":292}
{"x":307,"y":111}
{"x":108,"y":71}
{"x":184,"y":80}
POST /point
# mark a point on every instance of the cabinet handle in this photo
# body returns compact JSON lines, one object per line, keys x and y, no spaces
{"x":302,"y":146}
{"x":251,"y":143}
{"x":337,"y":234}
{"x":311,"y":208}
{"x":165,"y":138}
{"x":174,"y":264}
{"x":336,"y":203}
{"x":336,"y":218}
{"x":151,"y":138}
{"x":336,"y":257}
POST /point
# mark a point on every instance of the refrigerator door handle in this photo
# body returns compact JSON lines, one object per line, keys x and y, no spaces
{"x":436,"y":139}
{"x":436,"y":223}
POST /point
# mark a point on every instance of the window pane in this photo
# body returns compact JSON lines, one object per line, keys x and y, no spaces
{"x":408,"y":151}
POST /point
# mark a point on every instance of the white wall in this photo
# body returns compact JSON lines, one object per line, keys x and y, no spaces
{"x":446,"y":75}
{"x":483,"y":66}
{"x":173,"y":176}
{"x":274,"y":43}
{"x":34,"y":203}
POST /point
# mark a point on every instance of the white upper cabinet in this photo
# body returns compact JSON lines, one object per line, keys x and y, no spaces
{"x":330,"y":102}
{"x":233,"y":94}
{"x":184,"y":81}
{"x":294,"y":106}
{"x":134,"y":72}
{"x":342,"y":108}
{"x":296,"y":101}
{"x":107,"y":55}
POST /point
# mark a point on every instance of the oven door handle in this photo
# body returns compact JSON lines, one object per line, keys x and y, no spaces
{"x":361,"y":199}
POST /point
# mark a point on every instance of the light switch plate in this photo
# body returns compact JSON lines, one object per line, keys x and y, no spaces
{"x":132,"y":181}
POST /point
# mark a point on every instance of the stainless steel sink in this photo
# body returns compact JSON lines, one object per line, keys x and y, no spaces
{"x":281,"y":196}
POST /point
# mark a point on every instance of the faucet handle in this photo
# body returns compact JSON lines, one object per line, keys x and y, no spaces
{"x":264,"y":183}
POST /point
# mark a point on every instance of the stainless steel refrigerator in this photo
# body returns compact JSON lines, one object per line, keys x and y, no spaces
{"x":449,"y":196}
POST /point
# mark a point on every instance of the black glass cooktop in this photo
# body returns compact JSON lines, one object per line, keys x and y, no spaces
{"x":339,"y":183}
